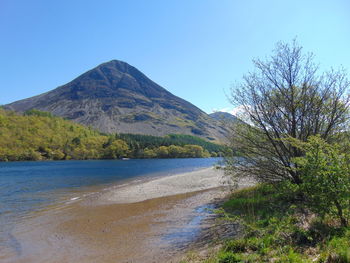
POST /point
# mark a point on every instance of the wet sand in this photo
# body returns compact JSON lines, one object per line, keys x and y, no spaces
{"x":152,"y":221}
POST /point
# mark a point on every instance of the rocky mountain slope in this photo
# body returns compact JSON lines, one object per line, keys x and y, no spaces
{"x":115,"y":97}
{"x":223,"y":116}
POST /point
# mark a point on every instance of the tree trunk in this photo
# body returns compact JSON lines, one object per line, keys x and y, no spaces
{"x":343,"y":220}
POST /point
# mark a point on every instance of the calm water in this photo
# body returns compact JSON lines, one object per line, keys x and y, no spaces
{"x":29,"y":186}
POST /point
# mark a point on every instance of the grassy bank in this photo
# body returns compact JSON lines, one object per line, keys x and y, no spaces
{"x":277,"y":228}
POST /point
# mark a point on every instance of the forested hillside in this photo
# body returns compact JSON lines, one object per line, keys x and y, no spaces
{"x":38,"y":135}
{"x":137,"y":141}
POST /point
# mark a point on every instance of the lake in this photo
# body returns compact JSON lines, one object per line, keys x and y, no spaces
{"x":26,"y":187}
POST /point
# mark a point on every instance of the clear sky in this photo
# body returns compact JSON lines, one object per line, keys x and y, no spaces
{"x":195,"y":49}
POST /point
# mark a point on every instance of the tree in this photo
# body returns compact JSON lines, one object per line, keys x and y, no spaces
{"x":175,"y":151}
{"x":162,"y":152}
{"x":325,"y":171}
{"x":117,"y":149}
{"x":284,"y":97}
{"x":194,"y":151}
{"x":149,"y":153}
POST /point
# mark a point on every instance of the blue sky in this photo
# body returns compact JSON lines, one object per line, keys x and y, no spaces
{"x":194,"y":48}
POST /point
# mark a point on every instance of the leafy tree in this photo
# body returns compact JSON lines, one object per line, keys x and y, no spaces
{"x":194,"y":151}
{"x":117,"y":149}
{"x":325,"y":172}
{"x":284,"y":97}
{"x":163,"y":152}
{"x":175,"y":151}
{"x":149,"y":153}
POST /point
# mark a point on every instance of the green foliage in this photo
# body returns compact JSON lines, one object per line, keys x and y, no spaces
{"x":38,"y":135}
{"x":35,"y":112}
{"x":162,"y":152}
{"x":183,"y":139}
{"x":170,"y":146}
{"x":188,"y":151}
{"x":243,"y":245}
{"x":195,"y":151}
{"x":149,"y":141}
{"x":174,"y":151}
{"x":116,"y":149}
{"x":325,"y":172}
{"x":292,"y":257}
{"x":298,"y":143}
{"x":149,"y":153}
{"x":338,"y":249}
{"x":228,"y":257}
{"x":276,"y":228}
{"x":281,"y":100}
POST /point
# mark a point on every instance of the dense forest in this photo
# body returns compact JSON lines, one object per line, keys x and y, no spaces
{"x":37,"y":135}
{"x":176,"y":144}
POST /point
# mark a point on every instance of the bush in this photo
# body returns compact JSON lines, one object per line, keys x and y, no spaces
{"x":325,"y":174}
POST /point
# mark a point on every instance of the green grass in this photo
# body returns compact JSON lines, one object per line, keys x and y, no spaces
{"x":275,"y":232}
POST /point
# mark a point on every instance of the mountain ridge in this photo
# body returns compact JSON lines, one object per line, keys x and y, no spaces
{"x":223,"y":116}
{"x":115,"y":97}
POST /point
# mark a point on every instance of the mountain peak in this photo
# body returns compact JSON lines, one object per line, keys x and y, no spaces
{"x":118,"y":64}
{"x":117,"y":97}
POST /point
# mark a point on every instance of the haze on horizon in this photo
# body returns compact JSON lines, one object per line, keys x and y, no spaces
{"x":195,"y":49}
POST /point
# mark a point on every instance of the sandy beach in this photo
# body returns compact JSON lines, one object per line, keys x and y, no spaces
{"x":144,"y":221}
{"x":199,"y":180}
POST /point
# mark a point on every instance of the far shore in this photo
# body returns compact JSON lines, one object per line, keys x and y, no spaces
{"x":145,"y":221}
{"x":104,"y":159}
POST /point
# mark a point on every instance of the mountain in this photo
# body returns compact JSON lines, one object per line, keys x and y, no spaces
{"x":223,"y":116}
{"x":115,"y":97}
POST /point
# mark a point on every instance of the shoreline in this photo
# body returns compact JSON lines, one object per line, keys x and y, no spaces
{"x":143,"y":189}
{"x":136,"y":226}
{"x":103,"y":159}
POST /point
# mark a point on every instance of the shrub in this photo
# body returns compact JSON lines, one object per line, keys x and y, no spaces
{"x":325,"y":173}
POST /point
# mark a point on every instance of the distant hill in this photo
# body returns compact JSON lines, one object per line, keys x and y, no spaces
{"x":223,"y":116}
{"x":115,"y":97}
